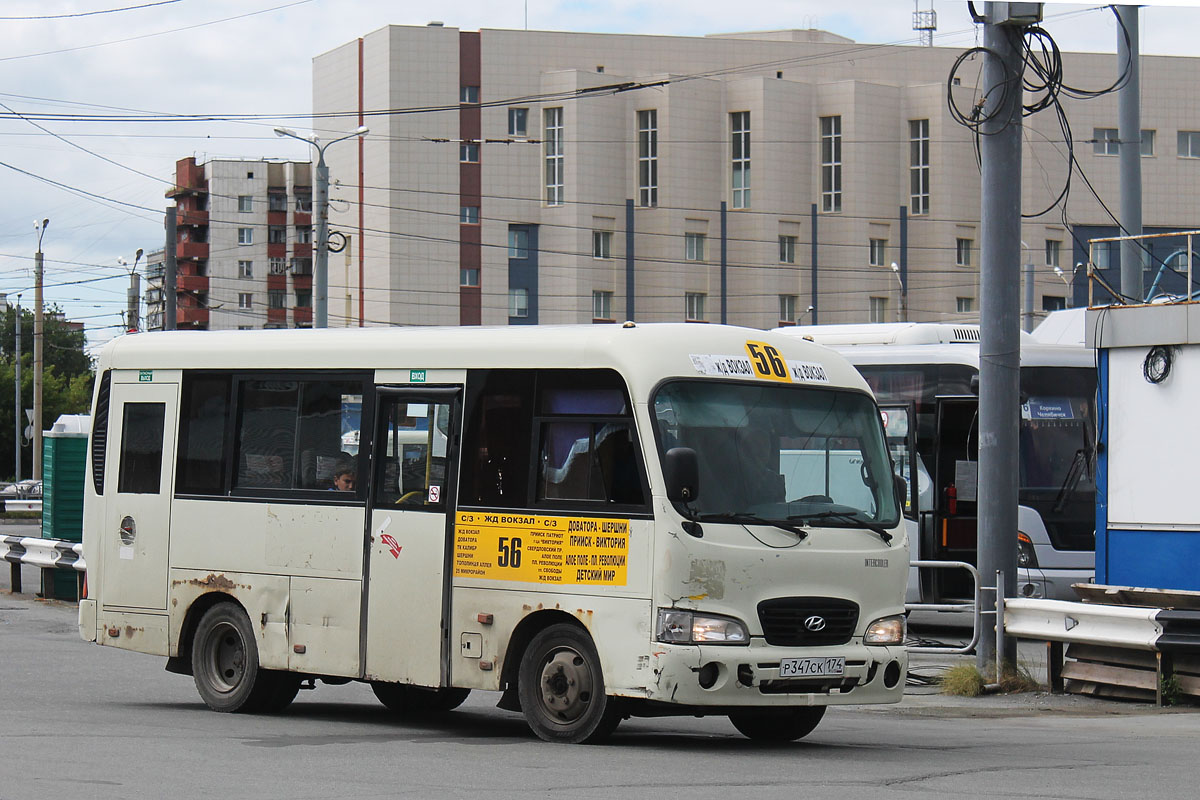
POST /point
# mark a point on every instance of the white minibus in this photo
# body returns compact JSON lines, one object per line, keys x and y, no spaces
{"x":597,"y":521}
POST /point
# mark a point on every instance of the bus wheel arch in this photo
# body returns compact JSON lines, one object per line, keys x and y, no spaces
{"x":224,"y":658}
{"x":522,"y":635}
{"x":561,"y":686}
{"x":181,"y":662}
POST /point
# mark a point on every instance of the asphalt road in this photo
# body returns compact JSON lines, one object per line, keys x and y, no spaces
{"x":83,"y":721}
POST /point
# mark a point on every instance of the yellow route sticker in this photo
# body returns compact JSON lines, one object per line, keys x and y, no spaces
{"x":532,"y":548}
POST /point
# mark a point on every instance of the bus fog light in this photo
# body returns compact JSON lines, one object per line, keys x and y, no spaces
{"x":708,"y":674}
{"x":886,"y":630}
{"x":687,"y":627}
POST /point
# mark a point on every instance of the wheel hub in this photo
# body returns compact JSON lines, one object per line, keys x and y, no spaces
{"x":566,"y":684}
{"x":229,"y":658}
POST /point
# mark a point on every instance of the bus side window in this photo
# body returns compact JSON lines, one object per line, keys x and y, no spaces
{"x":202,"y":456}
{"x":141,"y":448}
{"x":496,"y":450}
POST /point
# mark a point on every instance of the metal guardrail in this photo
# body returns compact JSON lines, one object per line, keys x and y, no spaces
{"x":973,"y":607}
{"x":20,"y":505}
{"x":44,"y":553}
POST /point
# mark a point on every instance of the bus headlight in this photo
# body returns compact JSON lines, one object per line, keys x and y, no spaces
{"x":1026,"y":557}
{"x":886,"y":630}
{"x":677,"y":626}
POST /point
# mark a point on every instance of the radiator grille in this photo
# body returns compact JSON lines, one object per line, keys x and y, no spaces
{"x":783,"y":621}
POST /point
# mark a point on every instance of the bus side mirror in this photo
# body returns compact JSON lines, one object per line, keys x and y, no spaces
{"x":682,"y":473}
{"x":901,"y":486}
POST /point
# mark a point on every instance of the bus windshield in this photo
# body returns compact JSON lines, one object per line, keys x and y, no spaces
{"x":781,"y":453}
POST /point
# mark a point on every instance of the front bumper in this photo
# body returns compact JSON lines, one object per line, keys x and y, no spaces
{"x":749,"y":676}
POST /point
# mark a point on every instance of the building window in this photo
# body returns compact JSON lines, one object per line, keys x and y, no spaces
{"x":468,"y":215}
{"x":739,"y":127}
{"x":694,"y":306}
{"x":468,"y":152}
{"x":468,"y":276}
{"x":647,"y":158}
{"x":304,"y":298}
{"x":878,"y":252}
{"x":693,"y":246}
{"x":1052,"y":302}
{"x":277,"y":266}
{"x":964,"y":305}
{"x":879,"y":309}
{"x":1105,"y":142}
{"x":1053,"y":249}
{"x":302,"y":266}
{"x":602,"y":244}
{"x":553,"y":146}
{"x":518,"y":122}
{"x":276,"y":298}
{"x":277,"y":234}
{"x":276,"y":202}
{"x":245,"y":203}
{"x":602,"y":305}
{"x":787,"y":308}
{"x":1102,"y":252}
{"x":245,"y":300}
{"x":962,"y":251}
{"x":831,"y":164}
{"x":787,"y":249}
{"x":245,"y":269}
{"x":518,"y":303}
{"x":1147,"y":148}
{"x":468,"y":94}
{"x":245,"y":236}
{"x":1189,"y":144}
{"x":304,"y":234}
{"x":918,"y":166}
{"x":518,"y":243}
{"x":304,"y":203}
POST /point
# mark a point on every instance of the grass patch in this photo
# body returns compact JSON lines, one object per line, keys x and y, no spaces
{"x":964,"y":680}
{"x":20,"y":515}
{"x":1017,"y":679}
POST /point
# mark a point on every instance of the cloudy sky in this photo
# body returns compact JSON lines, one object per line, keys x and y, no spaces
{"x":101,"y":183}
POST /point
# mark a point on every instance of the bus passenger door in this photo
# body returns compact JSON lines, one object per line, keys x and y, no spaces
{"x":414,"y":473}
{"x":138,"y":481}
{"x":952,"y":535}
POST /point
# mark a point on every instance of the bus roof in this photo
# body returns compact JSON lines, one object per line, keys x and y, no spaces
{"x":930,"y":343}
{"x":643,"y":353}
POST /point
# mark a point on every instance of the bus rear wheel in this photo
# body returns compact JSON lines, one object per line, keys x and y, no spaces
{"x":562,"y":688}
{"x":785,"y":725}
{"x":405,"y":699}
{"x":225,"y":660}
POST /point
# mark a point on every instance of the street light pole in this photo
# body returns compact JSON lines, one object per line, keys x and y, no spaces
{"x":38,"y":365}
{"x":1070,"y":289}
{"x":902,"y":310}
{"x":134,"y":297}
{"x":321,"y":209}
{"x":17,"y":430}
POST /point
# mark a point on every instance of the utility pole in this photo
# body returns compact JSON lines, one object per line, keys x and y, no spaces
{"x":1129,"y":151}
{"x":133,"y":299}
{"x":1000,"y":303}
{"x":17,"y":432}
{"x":321,"y":210}
{"x":38,"y":363}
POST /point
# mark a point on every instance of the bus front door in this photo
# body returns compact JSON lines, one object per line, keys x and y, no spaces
{"x":413,"y":488}
{"x":950,"y":533}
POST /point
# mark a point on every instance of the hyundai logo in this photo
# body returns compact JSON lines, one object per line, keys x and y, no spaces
{"x":815,"y":623}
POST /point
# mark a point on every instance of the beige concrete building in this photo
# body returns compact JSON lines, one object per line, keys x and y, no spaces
{"x":543,"y":177}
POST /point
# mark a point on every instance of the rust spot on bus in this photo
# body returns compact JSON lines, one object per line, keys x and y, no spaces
{"x":211,"y":581}
{"x":130,"y":631}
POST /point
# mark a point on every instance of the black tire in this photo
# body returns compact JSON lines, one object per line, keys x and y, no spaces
{"x":786,"y":725}
{"x":409,"y":700}
{"x":225,"y":660}
{"x":562,"y":688}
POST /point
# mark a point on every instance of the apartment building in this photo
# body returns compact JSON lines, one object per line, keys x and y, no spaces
{"x":764,"y":178}
{"x":243,"y":246}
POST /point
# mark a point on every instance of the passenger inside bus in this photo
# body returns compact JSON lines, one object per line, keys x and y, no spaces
{"x":344,"y":478}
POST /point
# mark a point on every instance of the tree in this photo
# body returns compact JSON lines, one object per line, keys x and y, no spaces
{"x":66,"y":379}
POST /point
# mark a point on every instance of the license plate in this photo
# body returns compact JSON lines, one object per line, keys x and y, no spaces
{"x":811,"y":667}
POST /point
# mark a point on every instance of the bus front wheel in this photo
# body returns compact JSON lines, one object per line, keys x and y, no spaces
{"x":562,"y":688}
{"x":225,"y":660}
{"x":785,"y":725}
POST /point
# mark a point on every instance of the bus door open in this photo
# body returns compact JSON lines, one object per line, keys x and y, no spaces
{"x":949,"y":531}
{"x":414,"y":473}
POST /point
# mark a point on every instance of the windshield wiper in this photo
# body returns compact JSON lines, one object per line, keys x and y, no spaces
{"x":848,"y":516}
{"x":749,"y":518}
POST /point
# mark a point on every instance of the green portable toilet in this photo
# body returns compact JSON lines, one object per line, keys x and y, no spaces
{"x":64,"y":462}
